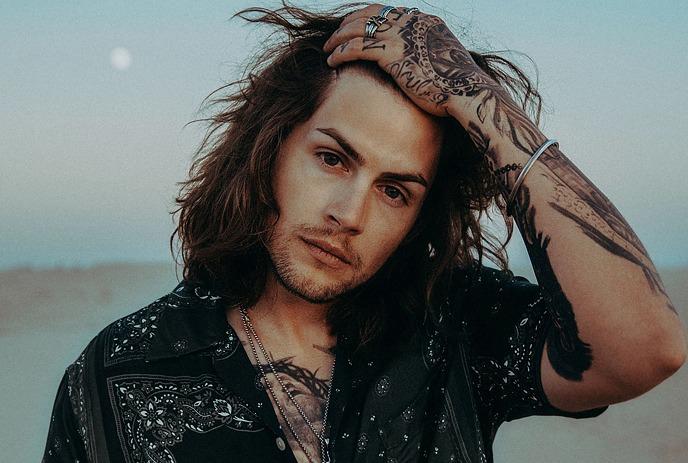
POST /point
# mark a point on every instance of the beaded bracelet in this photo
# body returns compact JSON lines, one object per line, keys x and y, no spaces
{"x":507,"y":168}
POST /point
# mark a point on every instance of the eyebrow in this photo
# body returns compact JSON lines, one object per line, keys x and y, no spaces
{"x":360,"y":160}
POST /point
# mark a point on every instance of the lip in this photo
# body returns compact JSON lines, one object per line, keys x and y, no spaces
{"x":327,"y":253}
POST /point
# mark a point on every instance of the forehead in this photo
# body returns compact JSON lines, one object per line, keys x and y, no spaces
{"x":388,"y":129}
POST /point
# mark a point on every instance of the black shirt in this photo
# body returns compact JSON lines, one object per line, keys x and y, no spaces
{"x":172,"y":383}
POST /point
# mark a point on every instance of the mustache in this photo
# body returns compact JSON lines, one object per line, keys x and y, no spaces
{"x":328,"y":234}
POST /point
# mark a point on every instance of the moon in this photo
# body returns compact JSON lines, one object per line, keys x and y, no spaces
{"x":120,"y":58}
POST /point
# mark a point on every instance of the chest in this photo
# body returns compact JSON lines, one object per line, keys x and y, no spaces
{"x":400,"y":404}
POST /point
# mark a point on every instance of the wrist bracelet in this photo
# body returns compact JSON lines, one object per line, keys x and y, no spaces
{"x":525,"y":170}
{"x":506,"y":168}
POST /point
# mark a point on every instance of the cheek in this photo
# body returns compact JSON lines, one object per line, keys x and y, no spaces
{"x":294,"y":186}
{"x":301,"y":176}
{"x":383,"y":242}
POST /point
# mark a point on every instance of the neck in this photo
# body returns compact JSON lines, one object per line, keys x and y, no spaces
{"x":299,"y":325}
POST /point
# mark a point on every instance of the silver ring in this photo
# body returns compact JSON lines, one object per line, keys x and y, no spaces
{"x":385,"y":11}
{"x":378,"y":20}
{"x":370,"y":29}
{"x":411,"y":10}
{"x":372,"y":24}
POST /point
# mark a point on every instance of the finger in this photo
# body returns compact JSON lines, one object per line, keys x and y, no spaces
{"x":363,"y":48}
{"x":354,"y":29}
{"x":374,"y":10}
{"x":396,"y":14}
{"x":367,"y":12}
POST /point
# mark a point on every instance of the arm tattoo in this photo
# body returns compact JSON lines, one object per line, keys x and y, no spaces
{"x":577,"y":198}
{"x":569,"y":355}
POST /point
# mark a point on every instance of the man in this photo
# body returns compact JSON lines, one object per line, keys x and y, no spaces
{"x":331,"y":309}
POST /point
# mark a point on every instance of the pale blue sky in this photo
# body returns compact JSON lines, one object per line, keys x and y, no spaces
{"x":89,"y":155}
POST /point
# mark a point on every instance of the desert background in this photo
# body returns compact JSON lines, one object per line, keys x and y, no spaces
{"x":97,"y":101}
{"x":48,"y":316}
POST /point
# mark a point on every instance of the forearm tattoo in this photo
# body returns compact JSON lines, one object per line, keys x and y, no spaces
{"x":577,"y":199}
{"x":568,"y":354}
{"x":574,"y":195}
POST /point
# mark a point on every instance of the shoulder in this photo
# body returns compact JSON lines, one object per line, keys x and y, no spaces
{"x":491,"y":303}
{"x":130,"y":337}
{"x":188,"y":318}
{"x":126,"y":344}
{"x":477,"y":293}
{"x":125,"y":338}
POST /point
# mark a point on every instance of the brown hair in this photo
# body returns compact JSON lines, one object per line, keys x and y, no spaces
{"x":224,"y":205}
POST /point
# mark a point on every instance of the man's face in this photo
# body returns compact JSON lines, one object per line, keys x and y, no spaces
{"x":363,"y":207}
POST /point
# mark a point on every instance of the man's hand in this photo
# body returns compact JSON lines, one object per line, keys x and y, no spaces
{"x":418,"y":50}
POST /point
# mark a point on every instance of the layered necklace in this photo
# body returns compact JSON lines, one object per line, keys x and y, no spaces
{"x":324,"y":452}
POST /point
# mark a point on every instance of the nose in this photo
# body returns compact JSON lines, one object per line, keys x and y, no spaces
{"x":348,"y":207}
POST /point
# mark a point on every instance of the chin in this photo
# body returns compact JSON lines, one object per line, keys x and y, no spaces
{"x":313,"y":285}
{"x":312,"y":291}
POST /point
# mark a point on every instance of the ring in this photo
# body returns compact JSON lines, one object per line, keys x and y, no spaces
{"x":378,"y":20}
{"x":411,"y":10}
{"x":385,"y":11}
{"x":372,"y":24}
{"x":370,"y":29}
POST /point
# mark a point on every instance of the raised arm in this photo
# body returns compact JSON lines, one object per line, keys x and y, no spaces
{"x":615,"y":334}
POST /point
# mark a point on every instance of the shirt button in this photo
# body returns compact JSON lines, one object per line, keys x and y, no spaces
{"x":280,"y":443}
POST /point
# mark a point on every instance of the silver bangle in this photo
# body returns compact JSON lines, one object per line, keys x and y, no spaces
{"x":523,"y":173}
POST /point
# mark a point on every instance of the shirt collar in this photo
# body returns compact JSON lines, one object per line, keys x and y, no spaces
{"x":193,"y":319}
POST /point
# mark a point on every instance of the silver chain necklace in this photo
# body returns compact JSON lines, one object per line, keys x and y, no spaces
{"x":324,"y":453}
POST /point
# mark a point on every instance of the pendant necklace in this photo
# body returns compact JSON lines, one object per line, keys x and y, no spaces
{"x":324,"y":451}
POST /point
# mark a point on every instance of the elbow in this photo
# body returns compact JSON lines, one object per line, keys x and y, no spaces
{"x":674,"y":358}
{"x":668,"y":362}
{"x":670,"y":347}
{"x":675,"y":349}
{"x":640,"y":375}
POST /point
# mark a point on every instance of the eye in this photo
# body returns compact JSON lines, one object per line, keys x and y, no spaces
{"x":331,"y":160}
{"x":396,"y":195}
{"x":328,"y":159}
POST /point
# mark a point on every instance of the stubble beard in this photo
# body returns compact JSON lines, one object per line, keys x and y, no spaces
{"x":287,"y":273}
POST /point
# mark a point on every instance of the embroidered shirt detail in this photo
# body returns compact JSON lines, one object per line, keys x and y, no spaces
{"x":129,"y":338}
{"x":170,"y":383}
{"x":154,"y":412}
{"x":76,"y":390}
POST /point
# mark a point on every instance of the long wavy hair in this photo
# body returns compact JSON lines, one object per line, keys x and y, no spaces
{"x":225,"y":203}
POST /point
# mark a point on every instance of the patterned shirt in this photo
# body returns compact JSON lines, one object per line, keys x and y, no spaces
{"x":172,"y":383}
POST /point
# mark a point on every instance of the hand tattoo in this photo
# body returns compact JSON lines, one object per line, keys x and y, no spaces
{"x":435,"y":65}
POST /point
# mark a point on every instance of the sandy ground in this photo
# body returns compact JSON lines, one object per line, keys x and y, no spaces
{"x":48,"y":316}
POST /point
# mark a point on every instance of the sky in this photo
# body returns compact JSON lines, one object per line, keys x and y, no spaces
{"x":95,"y":98}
